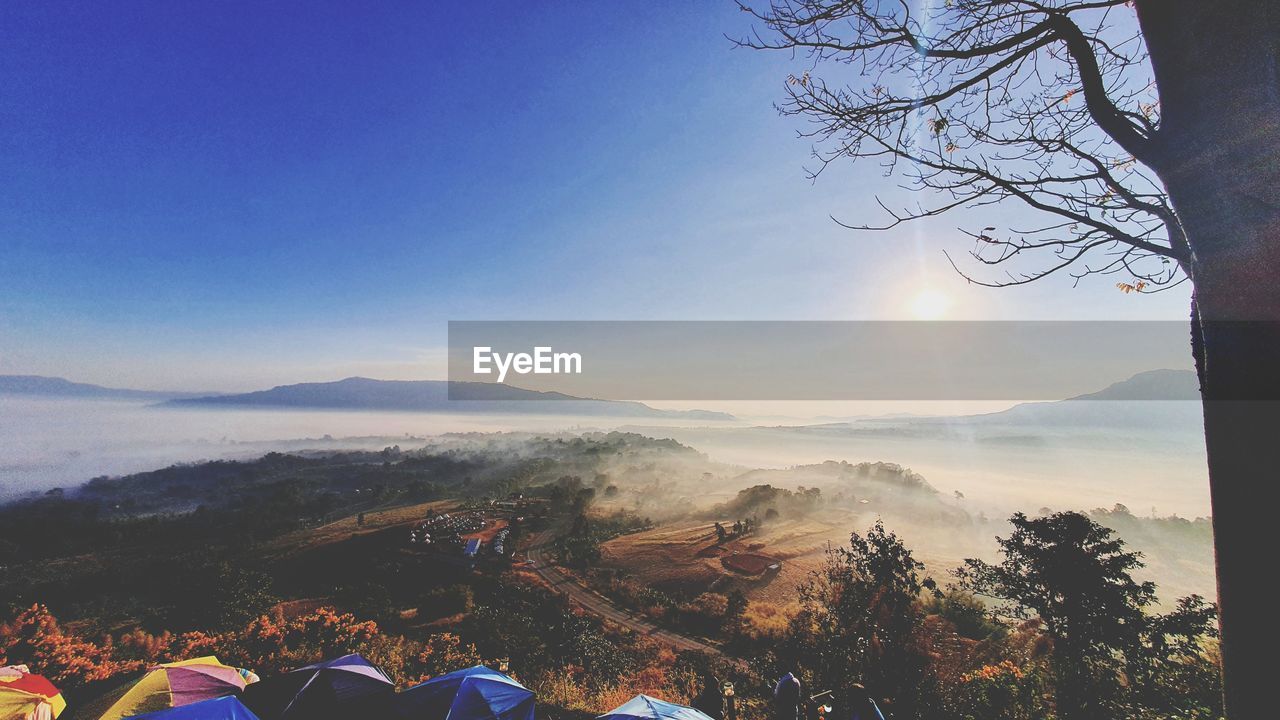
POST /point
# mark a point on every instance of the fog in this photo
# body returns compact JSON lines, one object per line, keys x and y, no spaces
{"x":996,"y":463}
{"x":1002,"y":467}
{"x":983,"y":468}
{"x":47,"y":443}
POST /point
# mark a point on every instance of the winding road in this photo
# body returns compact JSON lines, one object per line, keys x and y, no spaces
{"x":601,"y":606}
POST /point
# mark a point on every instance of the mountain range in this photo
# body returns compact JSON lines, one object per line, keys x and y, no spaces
{"x":357,"y":393}
{"x":41,"y":386}
{"x":1151,"y":385}
{"x":1156,"y":398}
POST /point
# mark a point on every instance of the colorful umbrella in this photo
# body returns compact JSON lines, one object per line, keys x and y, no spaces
{"x":24,"y":696}
{"x":177,"y":684}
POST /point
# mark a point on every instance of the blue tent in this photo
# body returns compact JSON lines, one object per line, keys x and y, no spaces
{"x":472,"y":548}
{"x":643,"y":707}
{"x":223,"y":708}
{"x":346,"y":687}
{"x":476,"y":693}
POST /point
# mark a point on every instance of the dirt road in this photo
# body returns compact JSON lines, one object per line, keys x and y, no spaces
{"x":601,"y":606}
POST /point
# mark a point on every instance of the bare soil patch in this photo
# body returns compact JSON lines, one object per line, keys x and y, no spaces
{"x":749,"y":563}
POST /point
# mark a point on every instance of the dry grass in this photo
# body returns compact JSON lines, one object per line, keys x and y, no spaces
{"x":345,"y":528}
{"x":684,"y":555}
{"x":765,"y":621}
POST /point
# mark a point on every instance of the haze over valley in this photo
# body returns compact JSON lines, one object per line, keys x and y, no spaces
{"x":966,"y":473}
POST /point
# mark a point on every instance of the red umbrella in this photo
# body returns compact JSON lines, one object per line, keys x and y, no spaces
{"x":25,"y":696}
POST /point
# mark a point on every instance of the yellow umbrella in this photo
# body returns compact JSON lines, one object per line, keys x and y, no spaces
{"x":176,"y":684}
{"x":25,"y":696}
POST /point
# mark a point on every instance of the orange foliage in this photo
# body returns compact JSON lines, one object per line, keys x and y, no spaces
{"x":145,"y":647}
{"x":998,"y":671}
{"x":36,"y":639}
{"x":271,"y":644}
{"x":267,"y":645}
{"x":442,"y":653}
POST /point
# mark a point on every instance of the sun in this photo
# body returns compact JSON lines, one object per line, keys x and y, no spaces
{"x":930,"y":304}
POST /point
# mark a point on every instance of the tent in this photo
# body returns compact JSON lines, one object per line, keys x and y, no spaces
{"x":643,"y":707}
{"x":25,"y":695}
{"x":476,"y":693}
{"x":177,"y":684}
{"x":223,"y":708}
{"x":346,"y":687}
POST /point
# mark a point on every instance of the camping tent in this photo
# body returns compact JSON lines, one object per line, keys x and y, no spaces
{"x":25,"y":695}
{"x":643,"y":707}
{"x":346,"y":687}
{"x":176,"y":684}
{"x":476,"y":693}
{"x":223,"y":708}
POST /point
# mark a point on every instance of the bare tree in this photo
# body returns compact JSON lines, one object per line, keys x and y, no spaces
{"x":1145,"y":133}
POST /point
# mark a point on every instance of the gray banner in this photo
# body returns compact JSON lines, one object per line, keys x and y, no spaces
{"x":780,"y":360}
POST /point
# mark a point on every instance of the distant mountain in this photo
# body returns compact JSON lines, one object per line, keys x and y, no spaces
{"x":1156,"y":398}
{"x":1151,"y":385}
{"x":358,"y":393}
{"x":40,"y":386}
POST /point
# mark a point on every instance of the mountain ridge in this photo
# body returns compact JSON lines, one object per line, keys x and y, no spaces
{"x":1163,"y":384}
{"x":360,"y":393}
{"x":1130,"y":402}
{"x":46,"y":386}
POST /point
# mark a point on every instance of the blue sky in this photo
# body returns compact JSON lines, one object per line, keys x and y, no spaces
{"x":230,"y":196}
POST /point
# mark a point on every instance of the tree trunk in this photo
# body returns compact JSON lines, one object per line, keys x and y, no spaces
{"x":1217,"y":66}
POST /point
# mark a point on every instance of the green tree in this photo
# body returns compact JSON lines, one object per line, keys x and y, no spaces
{"x":1074,"y":575}
{"x":577,"y":550}
{"x":858,"y":619}
{"x":967,"y":613}
{"x":1175,"y":670}
{"x":217,"y":595}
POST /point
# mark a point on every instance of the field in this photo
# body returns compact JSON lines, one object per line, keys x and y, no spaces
{"x":348,"y":527}
{"x":684,"y":557}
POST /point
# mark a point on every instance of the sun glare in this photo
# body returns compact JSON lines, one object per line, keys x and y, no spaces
{"x":930,"y":305}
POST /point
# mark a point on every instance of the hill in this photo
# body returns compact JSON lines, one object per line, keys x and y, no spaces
{"x":1167,"y":399}
{"x":41,"y":386}
{"x":1151,"y":385}
{"x":357,"y":393}
{"x":1164,"y":399}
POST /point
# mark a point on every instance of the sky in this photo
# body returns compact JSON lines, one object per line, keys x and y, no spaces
{"x":229,"y":196}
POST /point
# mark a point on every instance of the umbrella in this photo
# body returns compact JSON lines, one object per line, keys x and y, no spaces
{"x":223,"y":708}
{"x":24,"y":695}
{"x":643,"y":707}
{"x":177,"y":684}
{"x":346,"y":687}
{"x":476,"y":693}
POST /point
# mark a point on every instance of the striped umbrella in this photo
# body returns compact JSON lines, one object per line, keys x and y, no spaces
{"x":177,"y":684}
{"x":24,"y":696}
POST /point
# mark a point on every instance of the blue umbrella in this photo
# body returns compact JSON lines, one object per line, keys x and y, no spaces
{"x":476,"y":693}
{"x":223,"y":708}
{"x":643,"y":707}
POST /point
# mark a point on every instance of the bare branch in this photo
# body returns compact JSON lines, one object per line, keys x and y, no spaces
{"x":978,"y":102}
